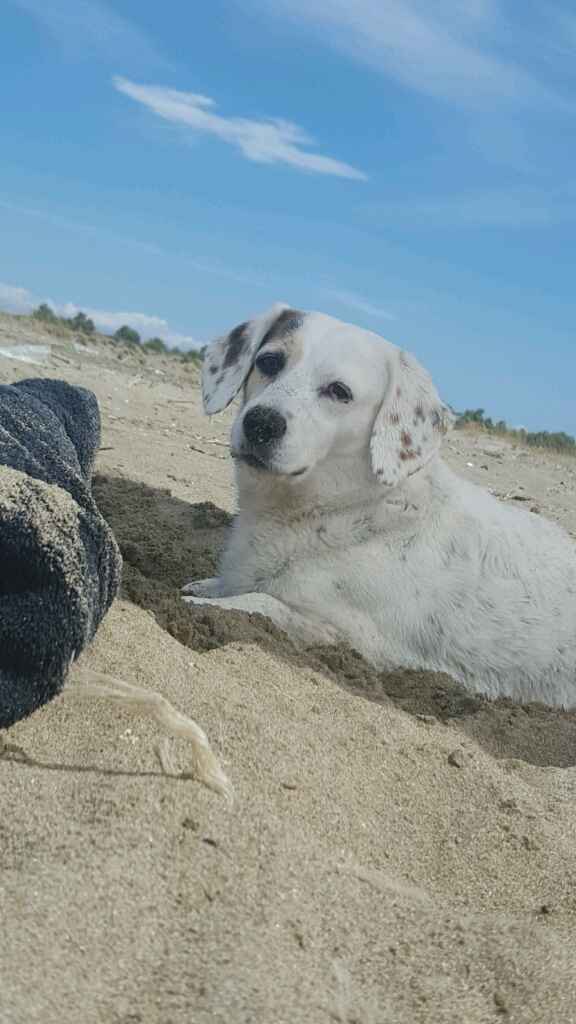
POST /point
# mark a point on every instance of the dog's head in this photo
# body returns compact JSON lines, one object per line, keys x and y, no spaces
{"x":314,"y":388}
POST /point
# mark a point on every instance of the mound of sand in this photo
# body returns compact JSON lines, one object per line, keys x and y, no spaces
{"x":399,"y":852}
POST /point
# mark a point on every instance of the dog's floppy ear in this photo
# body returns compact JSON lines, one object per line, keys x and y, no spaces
{"x":409,"y":427}
{"x":228,"y":360}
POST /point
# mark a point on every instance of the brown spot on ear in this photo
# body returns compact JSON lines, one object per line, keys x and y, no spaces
{"x":406,"y":439}
{"x":236,"y":342}
{"x":407,"y":454}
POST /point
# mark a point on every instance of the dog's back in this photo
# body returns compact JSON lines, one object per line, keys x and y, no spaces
{"x":447,"y":578}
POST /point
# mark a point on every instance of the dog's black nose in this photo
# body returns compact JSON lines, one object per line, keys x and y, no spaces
{"x":263,"y":426}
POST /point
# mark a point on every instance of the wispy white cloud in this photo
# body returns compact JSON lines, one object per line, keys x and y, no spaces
{"x":271,"y":141}
{"x":15,"y":299}
{"x":449,"y":49}
{"x":506,"y":208}
{"x":357,"y":302}
{"x":91,"y":28}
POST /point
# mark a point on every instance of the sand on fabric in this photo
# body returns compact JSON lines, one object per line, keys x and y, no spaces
{"x":399,"y":852}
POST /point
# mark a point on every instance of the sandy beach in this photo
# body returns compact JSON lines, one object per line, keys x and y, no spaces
{"x":399,"y":851}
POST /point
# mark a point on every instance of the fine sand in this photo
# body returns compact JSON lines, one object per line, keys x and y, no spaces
{"x":399,"y":852}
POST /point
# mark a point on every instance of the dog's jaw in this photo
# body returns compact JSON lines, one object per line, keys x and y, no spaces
{"x":252,"y":461}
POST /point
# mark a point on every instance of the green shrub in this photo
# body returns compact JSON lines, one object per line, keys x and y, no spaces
{"x":155,"y":345}
{"x":128,"y":335}
{"x":45,"y":313}
{"x":193,"y":355}
{"x":558,"y":441}
{"x":82,"y":323}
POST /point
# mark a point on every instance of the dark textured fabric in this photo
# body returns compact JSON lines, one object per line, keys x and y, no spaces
{"x":59,"y":563}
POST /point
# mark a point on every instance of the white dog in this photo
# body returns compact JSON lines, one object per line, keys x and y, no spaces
{"x":352,"y":528}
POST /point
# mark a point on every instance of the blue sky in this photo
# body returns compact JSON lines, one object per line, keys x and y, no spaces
{"x":407,"y":165}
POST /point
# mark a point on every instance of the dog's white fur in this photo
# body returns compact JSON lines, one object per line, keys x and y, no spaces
{"x":377,"y":543}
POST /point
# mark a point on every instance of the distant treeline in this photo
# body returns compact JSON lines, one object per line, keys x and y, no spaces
{"x":125,"y":334}
{"x":560,"y":441}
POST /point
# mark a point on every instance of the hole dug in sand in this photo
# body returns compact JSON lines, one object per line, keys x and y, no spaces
{"x":164,"y":540}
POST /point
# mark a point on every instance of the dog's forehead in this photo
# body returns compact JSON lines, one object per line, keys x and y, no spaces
{"x":318,"y":335}
{"x":324,"y":339}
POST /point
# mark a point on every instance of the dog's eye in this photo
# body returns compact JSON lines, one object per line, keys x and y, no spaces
{"x":270,"y":363}
{"x":338,"y":392}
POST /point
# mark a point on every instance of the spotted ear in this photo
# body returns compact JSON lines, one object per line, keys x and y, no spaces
{"x":228,"y":360}
{"x":410,"y":425}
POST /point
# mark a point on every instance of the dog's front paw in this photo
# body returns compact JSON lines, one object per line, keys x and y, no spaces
{"x":202,"y":588}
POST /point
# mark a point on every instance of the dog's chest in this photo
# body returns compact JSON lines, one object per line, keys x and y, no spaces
{"x":309,"y":559}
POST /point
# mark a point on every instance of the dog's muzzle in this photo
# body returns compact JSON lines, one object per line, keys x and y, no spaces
{"x":263,"y":428}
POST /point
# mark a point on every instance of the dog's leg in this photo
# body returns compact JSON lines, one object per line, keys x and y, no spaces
{"x":306,"y":630}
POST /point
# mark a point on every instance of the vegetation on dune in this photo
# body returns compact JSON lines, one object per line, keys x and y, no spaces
{"x":125,"y":334}
{"x":46,"y":314}
{"x":156,"y":345}
{"x":80,"y":322}
{"x":192,"y":355}
{"x":559,"y":440}
{"x":128,"y":335}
